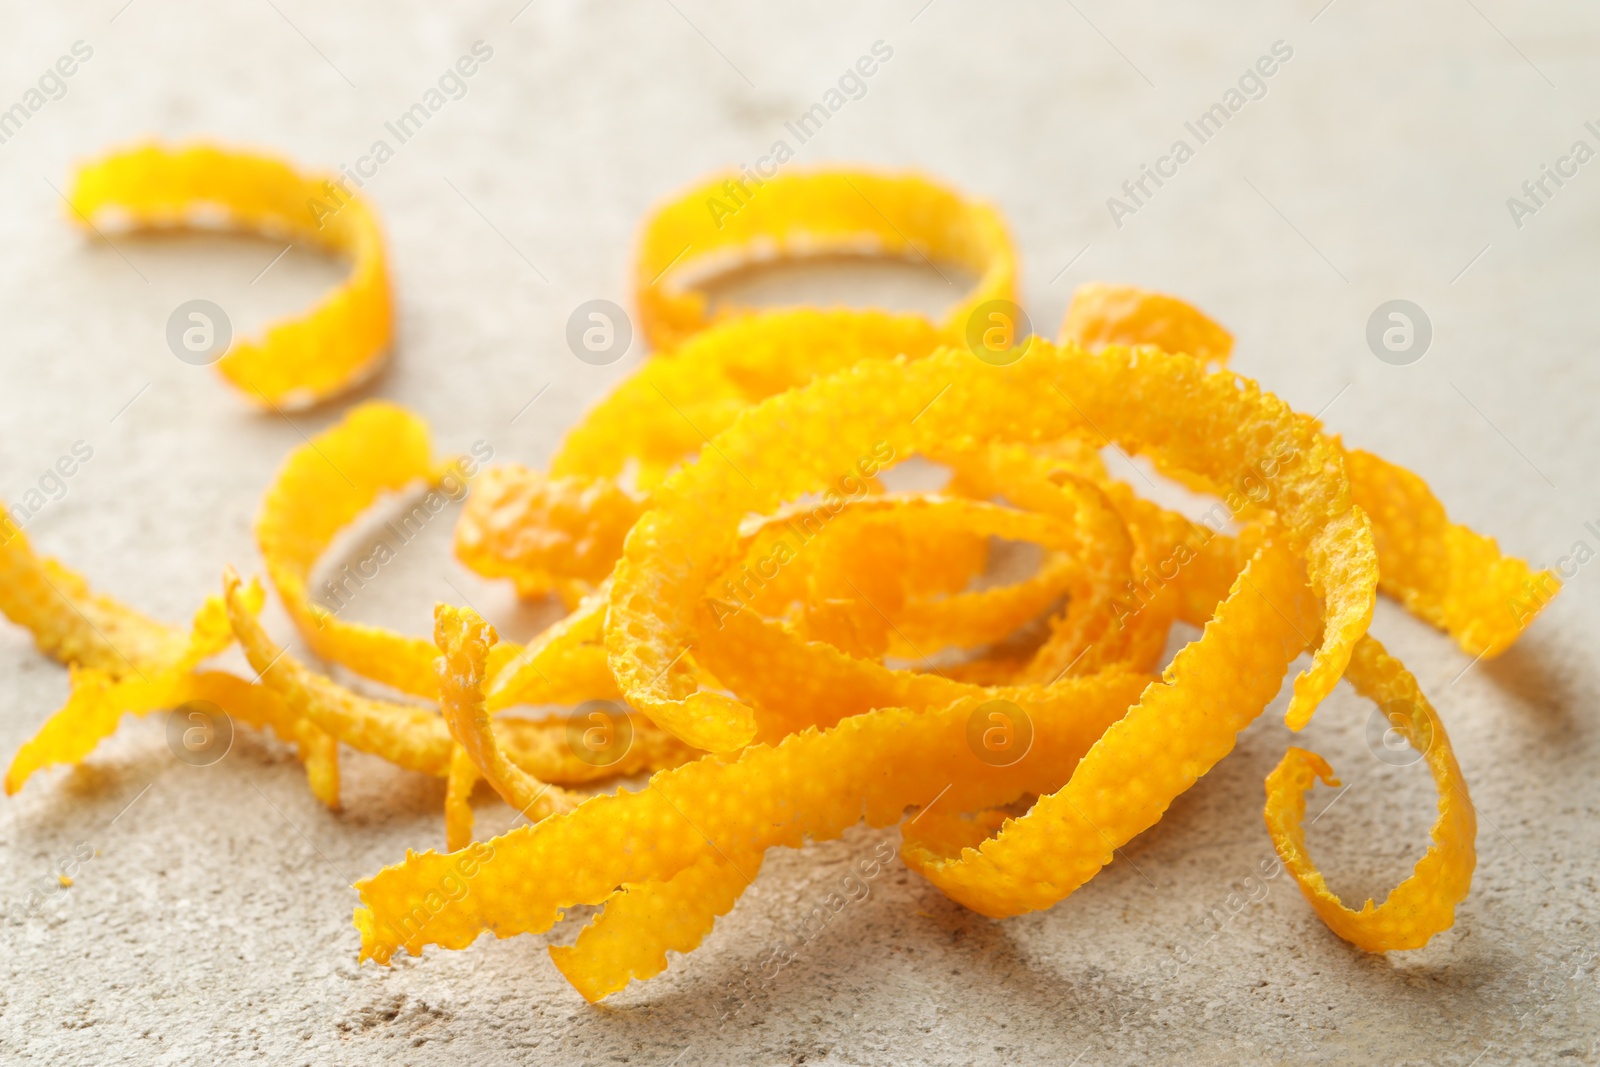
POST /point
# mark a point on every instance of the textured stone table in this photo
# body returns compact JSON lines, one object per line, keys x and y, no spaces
{"x":1374,"y":164}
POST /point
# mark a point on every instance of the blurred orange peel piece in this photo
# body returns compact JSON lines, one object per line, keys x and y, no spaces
{"x":732,"y":221}
{"x":300,"y":361}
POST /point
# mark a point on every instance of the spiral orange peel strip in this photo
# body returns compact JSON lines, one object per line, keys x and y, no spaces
{"x":300,"y":361}
{"x":78,"y":627}
{"x":1424,"y":904}
{"x":1102,"y":314}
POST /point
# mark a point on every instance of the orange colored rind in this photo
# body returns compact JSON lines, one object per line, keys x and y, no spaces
{"x":798,"y":214}
{"x":300,"y":361}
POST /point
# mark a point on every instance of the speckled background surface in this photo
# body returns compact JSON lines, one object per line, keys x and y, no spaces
{"x":213,"y":923}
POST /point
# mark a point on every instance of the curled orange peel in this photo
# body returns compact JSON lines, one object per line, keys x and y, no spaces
{"x":823,"y":212}
{"x":300,"y":361}
{"x":1178,"y":730}
{"x":419,"y":739}
{"x":643,"y":921}
{"x":1443,"y":572}
{"x":464,"y":641}
{"x":1103,"y":314}
{"x":408,"y":736}
{"x":1424,"y":904}
{"x":1212,"y":422}
{"x":323,"y":488}
{"x":565,"y":664}
{"x":545,"y":534}
{"x":99,"y":701}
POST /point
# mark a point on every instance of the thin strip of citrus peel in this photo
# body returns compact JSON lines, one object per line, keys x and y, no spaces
{"x":322,"y":488}
{"x":300,"y":361}
{"x":811,"y":785}
{"x":418,"y":739}
{"x":76,"y":626}
{"x":808,"y":213}
{"x":1424,"y":904}
{"x":125,"y":662}
{"x":464,"y":641}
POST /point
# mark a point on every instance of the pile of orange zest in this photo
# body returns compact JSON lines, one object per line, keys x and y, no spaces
{"x":801,"y":646}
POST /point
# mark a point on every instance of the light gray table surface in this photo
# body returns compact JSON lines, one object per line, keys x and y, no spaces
{"x":213,"y":924}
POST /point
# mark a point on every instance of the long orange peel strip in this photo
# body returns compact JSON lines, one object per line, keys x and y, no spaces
{"x":300,"y":361}
{"x":808,"y":213}
{"x":1102,"y":314}
{"x":418,"y":738}
{"x":814,"y":784}
{"x":76,"y":626}
{"x":98,"y":703}
{"x":1443,"y":572}
{"x":464,"y":641}
{"x":123,"y":661}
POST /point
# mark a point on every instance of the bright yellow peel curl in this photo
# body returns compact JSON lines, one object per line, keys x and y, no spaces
{"x":901,"y":215}
{"x":376,"y":450}
{"x":1423,"y":904}
{"x":300,"y":361}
